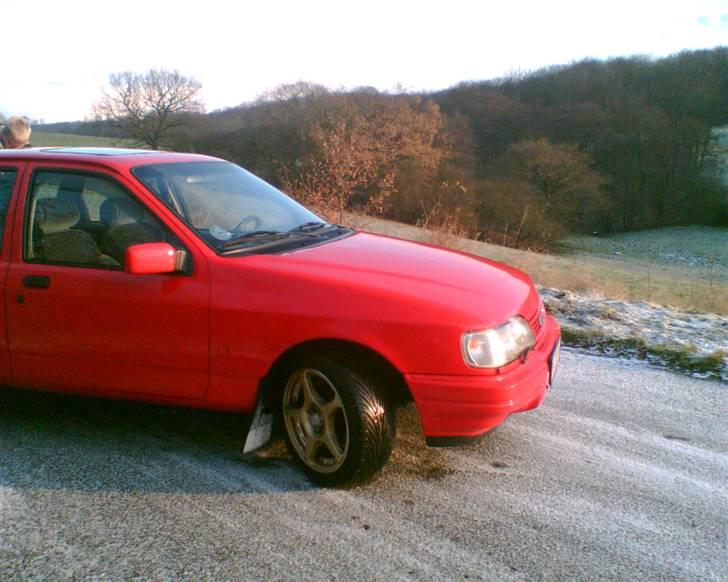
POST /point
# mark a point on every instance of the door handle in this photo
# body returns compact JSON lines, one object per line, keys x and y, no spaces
{"x":37,"y":281}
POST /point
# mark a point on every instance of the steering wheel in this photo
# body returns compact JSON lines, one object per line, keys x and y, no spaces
{"x":254,"y":219}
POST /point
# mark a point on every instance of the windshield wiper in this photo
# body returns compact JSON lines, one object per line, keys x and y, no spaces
{"x":309,"y":226}
{"x":308,"y":229}
{"x":255,"y":235}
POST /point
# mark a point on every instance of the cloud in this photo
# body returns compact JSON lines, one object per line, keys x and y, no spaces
{"x":717,"y":22}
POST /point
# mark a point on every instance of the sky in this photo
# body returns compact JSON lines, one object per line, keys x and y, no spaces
{"x":58,"y":55}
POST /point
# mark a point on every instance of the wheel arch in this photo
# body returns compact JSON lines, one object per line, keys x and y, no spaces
{"x":359,"y":355}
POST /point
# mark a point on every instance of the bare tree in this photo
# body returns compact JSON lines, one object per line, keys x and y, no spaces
{"x":289,"y":91}
{"x":149,"y":106}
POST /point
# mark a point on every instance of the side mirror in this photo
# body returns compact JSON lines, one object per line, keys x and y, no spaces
{"x":150,"y":259}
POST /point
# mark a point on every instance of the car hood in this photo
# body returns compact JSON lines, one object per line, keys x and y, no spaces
{"x":485,"y":291}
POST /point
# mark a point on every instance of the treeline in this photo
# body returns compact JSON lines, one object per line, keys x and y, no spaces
{"x":592,"y":146}
{"x":645,"y":125}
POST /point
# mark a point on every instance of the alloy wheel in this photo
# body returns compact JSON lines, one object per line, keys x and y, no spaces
{"x":315,"y":420}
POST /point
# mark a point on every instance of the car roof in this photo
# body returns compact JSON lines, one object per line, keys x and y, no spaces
{"x":111,"y":157}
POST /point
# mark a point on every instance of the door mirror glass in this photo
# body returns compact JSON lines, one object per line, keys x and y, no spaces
{"x":151,"y":258}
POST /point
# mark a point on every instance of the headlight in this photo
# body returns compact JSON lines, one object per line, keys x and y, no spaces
{"x":499,"y":346}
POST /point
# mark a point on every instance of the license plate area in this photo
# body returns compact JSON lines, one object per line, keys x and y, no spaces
{"x":554,"y":362}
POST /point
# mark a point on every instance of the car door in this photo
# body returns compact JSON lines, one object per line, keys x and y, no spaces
{"x":10,"y":174}
{"x":76,"y":320}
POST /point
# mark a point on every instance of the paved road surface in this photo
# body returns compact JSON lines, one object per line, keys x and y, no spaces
{"x":621,"y":474}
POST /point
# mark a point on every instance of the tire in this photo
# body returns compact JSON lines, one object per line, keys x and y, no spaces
{"x":337,"y":423}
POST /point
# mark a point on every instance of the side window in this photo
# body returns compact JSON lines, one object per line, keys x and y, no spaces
{"x":85,"y":220}
{"x":7,"y":179}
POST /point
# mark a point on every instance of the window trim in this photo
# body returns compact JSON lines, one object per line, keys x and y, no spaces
{"x":26,"y":241}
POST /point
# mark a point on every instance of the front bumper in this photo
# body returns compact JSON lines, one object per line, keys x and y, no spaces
{"x":459,"y":409}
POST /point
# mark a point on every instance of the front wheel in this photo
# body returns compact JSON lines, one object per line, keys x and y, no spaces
{"x":338,"y":426}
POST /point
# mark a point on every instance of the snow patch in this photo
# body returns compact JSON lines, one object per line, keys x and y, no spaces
{"x":654,"y":327}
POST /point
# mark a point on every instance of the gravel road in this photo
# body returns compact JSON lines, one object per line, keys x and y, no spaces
{"x":622,"y":473}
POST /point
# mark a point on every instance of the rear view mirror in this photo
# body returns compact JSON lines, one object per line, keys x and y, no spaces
{"x":150,"y":258}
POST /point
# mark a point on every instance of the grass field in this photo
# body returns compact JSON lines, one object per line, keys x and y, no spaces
{"x":688,"y":246}
{"x":683,"y":268}
{"x":39,"y":138}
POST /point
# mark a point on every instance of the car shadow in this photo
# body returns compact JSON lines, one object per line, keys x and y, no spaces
{"x":57,"y":441}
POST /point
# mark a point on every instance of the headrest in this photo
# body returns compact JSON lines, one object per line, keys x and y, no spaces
{"x":54,"y":215}
{"x":116,"y":211}
{"x":72,"y":183}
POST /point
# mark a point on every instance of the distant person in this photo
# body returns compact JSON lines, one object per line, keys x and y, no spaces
{"x":15,"y":134}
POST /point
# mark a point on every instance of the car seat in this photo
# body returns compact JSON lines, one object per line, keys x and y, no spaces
{"x":58,"y":241}
{"x":126,"y":224}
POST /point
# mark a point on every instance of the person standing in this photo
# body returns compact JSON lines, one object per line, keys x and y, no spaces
{"x":16,"y":133}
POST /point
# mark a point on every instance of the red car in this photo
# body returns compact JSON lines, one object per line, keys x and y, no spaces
{"x":184,"y":279}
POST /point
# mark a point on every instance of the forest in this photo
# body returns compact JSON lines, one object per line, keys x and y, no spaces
{"x":593,"y":146}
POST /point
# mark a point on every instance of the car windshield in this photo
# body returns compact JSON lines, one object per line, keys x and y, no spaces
{"x":228,"y":206}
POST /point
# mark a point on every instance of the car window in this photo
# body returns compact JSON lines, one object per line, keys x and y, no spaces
{"x":86,"y":220}
{"x":7,"y":180}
